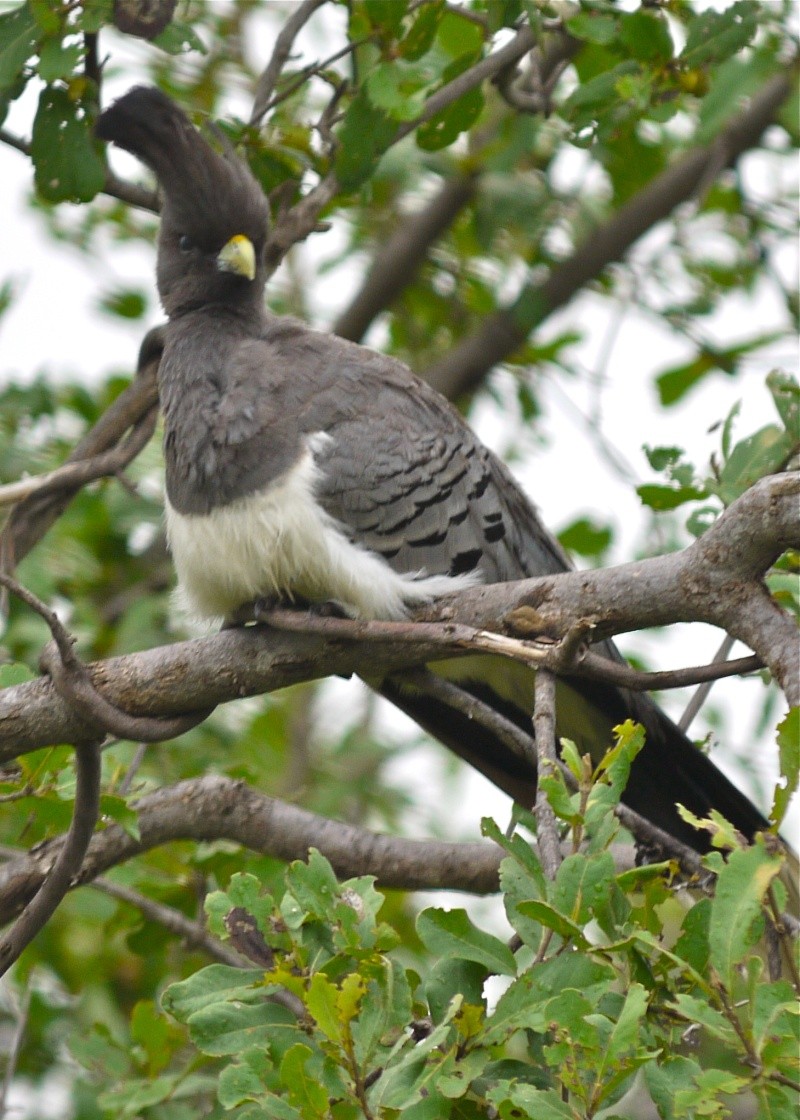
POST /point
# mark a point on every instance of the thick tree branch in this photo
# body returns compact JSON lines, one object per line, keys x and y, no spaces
{"x":398,"y":261}
{"x":132,"y":193}
{"x":104,"y":450}
{"x":715,"y":580}
{"x":503,"y":333}
{"x":215,"y":808}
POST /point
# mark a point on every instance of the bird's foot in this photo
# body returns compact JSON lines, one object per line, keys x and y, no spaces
{"x":260,"y":609}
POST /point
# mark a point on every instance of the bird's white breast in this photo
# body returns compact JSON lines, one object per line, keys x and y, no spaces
{"x":280,"y":541}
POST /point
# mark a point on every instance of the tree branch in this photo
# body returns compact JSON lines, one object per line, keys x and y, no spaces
{"x":301,"y":220}
{"x":501,"y":334}
{"x":105,"y":449}
{"x":132,"y":193}
{"x":280,"y":53}
{"x":216,"y":808}
{"x":715,"y":580}
{"x":544,"y":723}
{"x":52,"y":886}
{"x":398,"y":261}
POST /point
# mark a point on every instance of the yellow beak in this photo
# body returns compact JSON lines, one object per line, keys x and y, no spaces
{"x":238,"y":256}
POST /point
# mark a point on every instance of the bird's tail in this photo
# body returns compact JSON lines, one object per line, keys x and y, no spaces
{"x":668,"y":771}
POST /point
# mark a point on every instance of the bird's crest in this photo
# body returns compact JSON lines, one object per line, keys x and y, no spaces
{"x":205,"y":191}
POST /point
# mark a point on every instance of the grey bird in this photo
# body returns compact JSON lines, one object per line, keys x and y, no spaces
{"x":303,"y":466}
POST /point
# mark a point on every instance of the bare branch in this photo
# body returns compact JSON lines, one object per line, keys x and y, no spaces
{"x":215,"y":808}
{"x":397,"y":263}
{"x":717,"y":580}
{"x":135,"y":409}
{"x":544,"y":723}
{"x":701,"y":694}
{"x":191,"y":933}
{"x":503,"y":333}
{"x":68,"y":860}
{"x":302,"y":219}
{"x":280,"y":53}
{"x":132,"y":193}
{"x":21,"y":1011}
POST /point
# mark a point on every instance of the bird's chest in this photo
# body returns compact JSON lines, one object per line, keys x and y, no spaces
{"x":271,"y":542}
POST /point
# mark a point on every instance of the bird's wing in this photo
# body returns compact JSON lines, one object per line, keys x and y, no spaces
{"x":405,"y":476}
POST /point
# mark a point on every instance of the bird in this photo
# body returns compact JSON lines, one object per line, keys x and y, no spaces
{"x":301,"y":466}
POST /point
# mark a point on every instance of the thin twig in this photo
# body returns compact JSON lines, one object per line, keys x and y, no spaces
{"x":68,"y":862}
{"x":720,"y":660}
{"x":280,"y":53}
{"x":544,"y":725}
{"x":192,"y":933}
{"x":134,"y":408}
{"x":132,"y":193}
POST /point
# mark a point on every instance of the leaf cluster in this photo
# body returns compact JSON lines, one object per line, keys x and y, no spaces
{"x":611,"y":980}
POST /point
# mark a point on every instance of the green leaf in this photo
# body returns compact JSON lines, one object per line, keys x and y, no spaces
{"x":581,"y":884}
{"x":118,"y":809}
{"x":364,"y":135}
{"x":451,"y":977}
{"x":624,"y":1036}
{"x":789,"y":761}
{"x":759,"y":454}
{"x":322,"y":1003}
{"x":445,"y":127}
{"x":785,"y":392}
{"x":15,"y":673}
{"x":736,"y":923}
{"x":668,"y":497}
{"x":19,"y":39}
{"x":547,"y":915}
{"x":386,"y":15}
{"x":776,"y":1102}
{"x":67,"y":161}
{"x":673,"y":384}
{"x":714,"y":36}
{"x":692,"y":945}
{"x":665,"y":1078}
{"x":239,"y":1082}
{"x":154,"y":1034}
{"x":210,"y":986}
{"x":775,"y":1014}
{"x":127,"y":303}
{"x":47,"y":15}
{"x":543,"y":1104}
{"x":229,"y":1028}
{"x":179,"y":38}
{"x":450,"y":933}
{"x":594,"y":27}
{"x":709,"y":1086}
{"x":586,"y":537}
{"x":305,"y":1091}
{"x":570,"y":971}
{"x":94,"y":14}
{"x":398,"y":88}
{"x":313,"y":884}
{"x":57,"y":60}
{"x":646,"y":35}
{"x":459,"y":37}
{"x":419,"y":38}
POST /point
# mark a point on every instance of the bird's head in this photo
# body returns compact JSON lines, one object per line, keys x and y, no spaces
{"x":214,"y":217}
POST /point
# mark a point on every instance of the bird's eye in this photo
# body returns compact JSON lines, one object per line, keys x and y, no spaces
{"x":185,"y":244}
